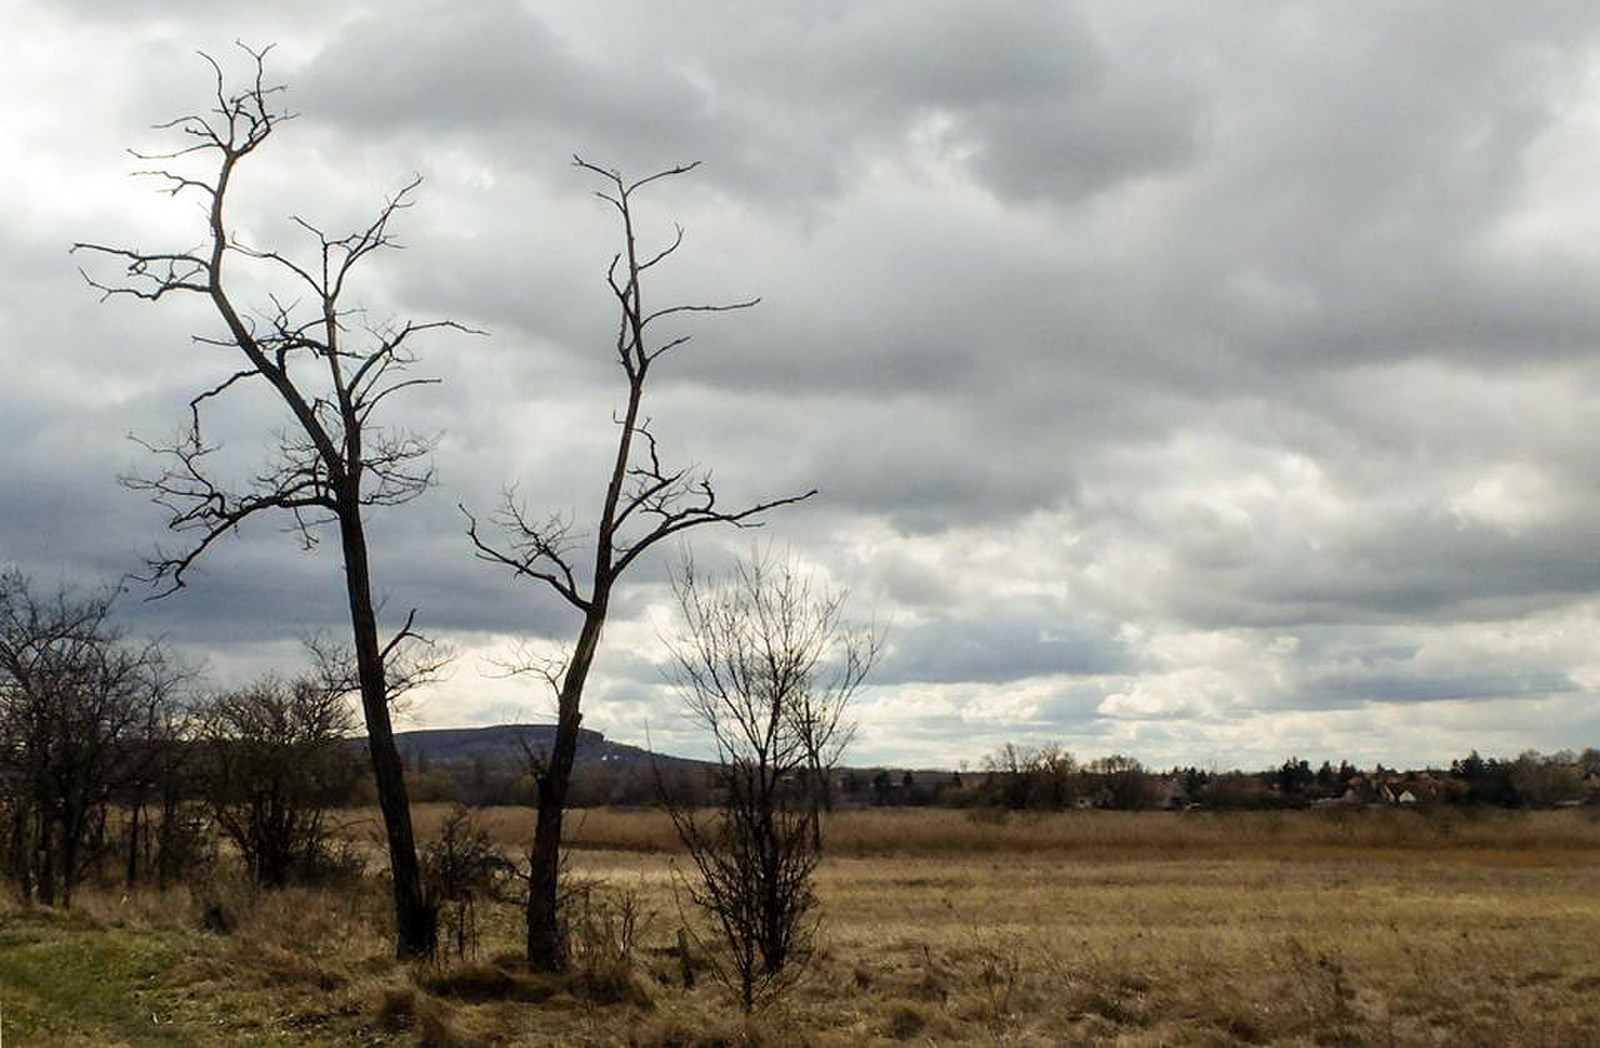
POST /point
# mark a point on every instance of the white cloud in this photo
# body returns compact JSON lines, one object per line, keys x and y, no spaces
{"x":1511,"y":497}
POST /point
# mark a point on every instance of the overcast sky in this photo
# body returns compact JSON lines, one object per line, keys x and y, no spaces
{"x":1209,"y":383}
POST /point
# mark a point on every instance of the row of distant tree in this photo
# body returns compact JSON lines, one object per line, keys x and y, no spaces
{"x":1049,"y":778}
{"x":481,"y":781}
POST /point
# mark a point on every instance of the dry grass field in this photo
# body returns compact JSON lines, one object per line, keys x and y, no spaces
{"x":1350,"y":928}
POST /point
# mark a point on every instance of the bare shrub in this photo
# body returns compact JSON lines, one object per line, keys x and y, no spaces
{"x":276,"y":763}
{"x":334,"y":860}
{"x":602,"y":926}
{"x":767,"y":665}
{"x":460,"y":866}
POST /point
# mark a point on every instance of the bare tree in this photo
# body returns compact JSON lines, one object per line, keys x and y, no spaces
{"x":74,"y":698}
{"x":331,"y":371}
{"x":768,"y":666}
{"x":644,"y":502}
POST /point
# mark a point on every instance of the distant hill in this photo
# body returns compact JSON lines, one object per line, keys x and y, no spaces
{"x":489,"y":766}
{"x":501,"y":746}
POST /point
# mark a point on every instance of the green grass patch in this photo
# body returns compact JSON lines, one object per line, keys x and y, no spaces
{"x":64,"y":983}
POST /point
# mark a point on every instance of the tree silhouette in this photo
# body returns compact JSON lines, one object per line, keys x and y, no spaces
{"x":331,"y":372}
{"x":644,"y":502}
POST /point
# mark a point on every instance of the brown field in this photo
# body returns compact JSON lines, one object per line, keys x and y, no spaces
{"x":1450,"y":835}
{"x":1361,"y":927}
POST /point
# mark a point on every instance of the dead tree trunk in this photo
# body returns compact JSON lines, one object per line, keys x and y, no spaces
{"x":135,"y":818}
{"x":416,"y":921}
{"x":545,"y":948}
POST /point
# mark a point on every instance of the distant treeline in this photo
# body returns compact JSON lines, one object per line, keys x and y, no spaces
{"x":1048,"y":778}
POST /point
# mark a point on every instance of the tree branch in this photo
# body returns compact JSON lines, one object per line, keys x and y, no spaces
{"x":531,"y":548}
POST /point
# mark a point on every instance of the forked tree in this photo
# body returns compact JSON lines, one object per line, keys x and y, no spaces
{"x":331,"y":372}
{"x":644,"y":502}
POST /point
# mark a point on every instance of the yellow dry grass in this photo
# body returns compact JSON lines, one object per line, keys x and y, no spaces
{"x":1248,"y":949}
{"x":1369,"y":927}
{"x":1486,"y":836}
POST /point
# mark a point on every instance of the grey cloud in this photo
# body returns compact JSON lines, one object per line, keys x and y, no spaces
{"x":1014,"y":642}
{"x":922,"y":477}
{"x":501,"y":69}
{"x":1074,"y":708}
{"x":1414,"y":566}
{"x":1071,"y":151}
{"x":1083,"y":277}
{"x":1028,"y":89}
{"x":1337,"y":690}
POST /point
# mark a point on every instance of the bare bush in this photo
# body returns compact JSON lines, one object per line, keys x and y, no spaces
{"x":276,"y":760}
{"x":767,"y":665}
{"x":602,"y":925}
{"x":460,"y":866}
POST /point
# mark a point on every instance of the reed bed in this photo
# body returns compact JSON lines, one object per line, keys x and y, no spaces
{"x":1483,"y":835}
